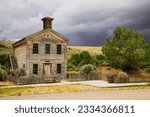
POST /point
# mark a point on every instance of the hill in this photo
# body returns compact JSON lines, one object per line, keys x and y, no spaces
{"x":6,"y":47}
{"x":76,"y":49}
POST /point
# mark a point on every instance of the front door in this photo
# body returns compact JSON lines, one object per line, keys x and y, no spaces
{"x":47,"y":70}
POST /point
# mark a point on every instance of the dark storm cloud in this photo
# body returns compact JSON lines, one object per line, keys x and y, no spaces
{"x":136,"y":17}
{"x":84,"y":22}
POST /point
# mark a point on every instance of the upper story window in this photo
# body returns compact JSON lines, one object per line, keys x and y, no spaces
{"x":35,"y":48}
{"x":35,"y":68}
{"x":59,"y":48}
{"x":47,"y":48}
{"x":59,"y":68}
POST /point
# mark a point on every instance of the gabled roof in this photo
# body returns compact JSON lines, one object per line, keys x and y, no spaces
{"x":25,"y":39}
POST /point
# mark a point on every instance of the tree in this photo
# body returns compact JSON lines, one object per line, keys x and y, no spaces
{"x":145,"y":63}
{"x":4,"y":60}
{"x":125,"y":49}
{"x":3,"y":74}
{"x":79,"y":59}
{"x":94,"y":61}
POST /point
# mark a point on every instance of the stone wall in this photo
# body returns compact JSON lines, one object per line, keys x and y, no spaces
{"x":25,"y":80}
{"x":21,"y":56}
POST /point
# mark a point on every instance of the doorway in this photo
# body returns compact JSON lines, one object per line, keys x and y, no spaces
{"x":47,"y":70}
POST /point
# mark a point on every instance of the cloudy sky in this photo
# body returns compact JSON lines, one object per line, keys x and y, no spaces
{"x":83,"y":22}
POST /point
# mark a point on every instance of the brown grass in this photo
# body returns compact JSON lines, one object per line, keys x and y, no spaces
{"x":145,"y":74}
{"x":7,"y":83}
{"x":76,"y":49}
{"x":45,"y":89}
{"x":60,"y":89}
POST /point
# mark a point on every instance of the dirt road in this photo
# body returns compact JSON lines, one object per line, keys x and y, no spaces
{"x":139,"y":94}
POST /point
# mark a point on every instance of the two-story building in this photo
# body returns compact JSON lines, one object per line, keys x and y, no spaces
{"x":43,"y":54}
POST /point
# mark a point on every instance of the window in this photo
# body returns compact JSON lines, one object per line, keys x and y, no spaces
{"x":35,"y":48}
{"x":35,"y":68}
{"x":58,"y":68}
{"x":58,"y":49}
{"x":47,"y":48}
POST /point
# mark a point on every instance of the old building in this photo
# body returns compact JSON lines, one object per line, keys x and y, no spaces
{"x":43,"y":54}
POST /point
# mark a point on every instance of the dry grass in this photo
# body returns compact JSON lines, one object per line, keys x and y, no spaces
{"x":8,"y":47}
{"x":45,"y":89}
{"x":76,"y":49}
{"x":145,"y":74}
{"x":7,"y":83}
{"x":6,"y":51}
{"x":60,"y":89}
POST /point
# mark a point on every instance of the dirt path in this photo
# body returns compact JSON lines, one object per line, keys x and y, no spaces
{"x":140,"y":94}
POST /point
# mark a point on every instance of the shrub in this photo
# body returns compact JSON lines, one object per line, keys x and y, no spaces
{"x":18,"y":72}
{"x":31,"y":77}
{"x":3,"y":74}
{"x":88,"y":71}
{"x":122,"y":75}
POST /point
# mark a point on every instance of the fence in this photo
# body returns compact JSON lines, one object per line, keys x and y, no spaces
{"x":138,"y":78}
{"x":78,"y":77}
{"x":133,"y":78}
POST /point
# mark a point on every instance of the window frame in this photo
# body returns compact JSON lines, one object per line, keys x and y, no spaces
{"x":35,"y":71}
{"x":59,"y":50}
{"x":34,"y":51}
{"x":59,"y":69}
{"x":49,"y":48}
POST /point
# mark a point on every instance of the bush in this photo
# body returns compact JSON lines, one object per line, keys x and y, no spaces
{"x":18,"y":72}
{"x":88,"y":71}
{"x":122,"y":75}
{"x":31,"y":77}
{"x":3,"y":74}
